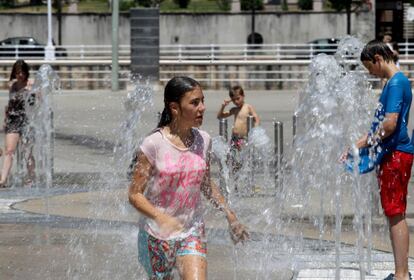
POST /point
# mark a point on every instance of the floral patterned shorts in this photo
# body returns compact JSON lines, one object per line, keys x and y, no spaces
{"x":158,"y":257}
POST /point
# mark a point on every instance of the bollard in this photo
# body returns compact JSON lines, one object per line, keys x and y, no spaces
{"x":278,"y":152}
{"x":223,"y":128}
{"x":294,"y":125}
{"x":250,"y":124}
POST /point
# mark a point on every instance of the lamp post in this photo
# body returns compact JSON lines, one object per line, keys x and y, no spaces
{"x":50,"y":49}
{"x":253,"y":22}
{"x":115,"y":66}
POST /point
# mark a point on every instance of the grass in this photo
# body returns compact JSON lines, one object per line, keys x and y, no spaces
{"x":101,"y":6}
{"x":84,"y":6}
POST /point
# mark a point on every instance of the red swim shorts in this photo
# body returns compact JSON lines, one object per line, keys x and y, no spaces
{"x":393,"y":177}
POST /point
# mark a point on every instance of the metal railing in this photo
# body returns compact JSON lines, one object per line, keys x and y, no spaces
{"x":215,"y":66}
{"x":177,"y":52}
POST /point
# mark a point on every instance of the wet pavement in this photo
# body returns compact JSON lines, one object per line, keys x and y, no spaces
{"x":83,"y":229}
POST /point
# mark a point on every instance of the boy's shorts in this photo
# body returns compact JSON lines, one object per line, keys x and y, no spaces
{"x":237,"y":142}
{"x":393,"y":177}
{"x":158,"y":257}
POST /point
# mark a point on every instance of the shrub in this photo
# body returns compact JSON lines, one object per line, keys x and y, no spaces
{"x":183,"y":4}
{"x":225,"y":5}
{"x":126,"y":5}
{"x":247,"y":5}
{"x":305,"y":4}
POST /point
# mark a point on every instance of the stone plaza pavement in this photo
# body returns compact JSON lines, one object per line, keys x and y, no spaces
{"x":83,"y":229}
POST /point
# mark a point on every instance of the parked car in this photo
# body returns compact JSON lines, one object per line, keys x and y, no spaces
{"x":25,"y":47}
{"x":310,"y":49}
{"x":325,"y":45}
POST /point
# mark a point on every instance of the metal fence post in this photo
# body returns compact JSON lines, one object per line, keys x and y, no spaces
{"x":212,"y":55}
{"x":294,"y":126}
{"x":250,"y":125}
{"x":278,"y":152}
{"x":223,"y":128}
{"x":406,"y":49}
{"x":278,"y":51}
{"x":82,"y":52}
{"x":311,"y":51}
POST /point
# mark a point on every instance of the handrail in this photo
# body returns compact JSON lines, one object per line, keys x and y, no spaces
{"x":190,"y":52}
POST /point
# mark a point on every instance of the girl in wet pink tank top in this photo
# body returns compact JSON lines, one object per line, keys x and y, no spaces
{"x":171,"y":174}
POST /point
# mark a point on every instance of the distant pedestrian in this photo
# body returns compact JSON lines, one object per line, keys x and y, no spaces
{"x":16,"y":120}
{"x":171,"y":173}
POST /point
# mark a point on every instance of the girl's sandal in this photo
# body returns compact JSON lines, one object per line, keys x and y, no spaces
{"x":3,"y":185}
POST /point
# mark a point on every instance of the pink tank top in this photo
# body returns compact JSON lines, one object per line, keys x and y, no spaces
{"x":175,"y":188}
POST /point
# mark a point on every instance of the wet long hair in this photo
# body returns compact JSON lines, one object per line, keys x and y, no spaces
{"x":20,"y":65}
{"x":174,"y":92}
{"x":376,"y":47}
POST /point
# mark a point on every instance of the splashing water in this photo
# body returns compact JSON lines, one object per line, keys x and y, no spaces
{"x":220,"y":151}
{"x":333,"y":112}
{"x":39,"y":130}
{"x":113,"y":201}
{"x":238,"y":168}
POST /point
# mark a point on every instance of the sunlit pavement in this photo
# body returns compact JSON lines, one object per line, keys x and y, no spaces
{"x":77,"y":233}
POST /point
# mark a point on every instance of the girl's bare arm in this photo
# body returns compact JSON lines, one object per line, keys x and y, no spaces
{"x":213,"y":194}
{"x":141,"y":176}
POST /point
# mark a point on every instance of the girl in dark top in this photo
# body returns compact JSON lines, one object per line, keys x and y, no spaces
{"x":15,"y":119}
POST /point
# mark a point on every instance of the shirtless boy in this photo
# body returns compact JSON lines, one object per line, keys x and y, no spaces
{"x":241,"y":111}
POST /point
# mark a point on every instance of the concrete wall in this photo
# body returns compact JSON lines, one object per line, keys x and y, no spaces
{"x":193,"y":29}
{"x":275,"y":28}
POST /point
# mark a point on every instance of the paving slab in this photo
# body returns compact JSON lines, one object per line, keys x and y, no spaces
{"x":82,"y":231}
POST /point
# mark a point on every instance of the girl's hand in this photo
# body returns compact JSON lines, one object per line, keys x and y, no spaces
{"x":29,"y":85}
{"x":168,"y":224}
{"x":238,"y":232}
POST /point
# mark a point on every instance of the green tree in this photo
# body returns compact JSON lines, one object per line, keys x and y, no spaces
{"x":148,"y":3}
{"x":36,"y":2}
{"x":225,"y":5}
{"x":126,"y":5}
{"x":7,"y":3}
{"x":285,"y":5}
{"x":340,"y":5}
{"x":347,"y":5}
{"x":305,"y":4}
{"x":183,"y":4}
